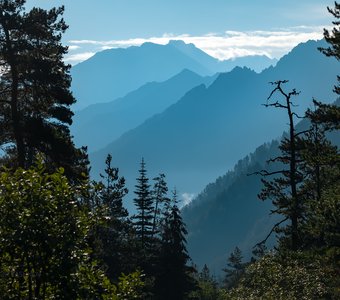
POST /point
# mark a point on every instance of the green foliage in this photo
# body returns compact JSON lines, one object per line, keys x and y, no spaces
{"x":131,"y":286}
{"x":323,"y":215}
{"x":207,"y":288}
{"x":43,"y":233}
{"x":92,"y":283}
{"x":111,"y":234}
{"x":291,"y":277}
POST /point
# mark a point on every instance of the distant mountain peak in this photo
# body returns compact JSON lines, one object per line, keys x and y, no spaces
{"x":186,"y":71}
{"x":242,"y":69}
{"x":176,"y":42}
{"x":309,"y":48}
{"x":183,"y":46}
{"x":173,"y":43}
{"x":114,"y":73}
{"x":180,"y":43}
{"x":148,"y":44}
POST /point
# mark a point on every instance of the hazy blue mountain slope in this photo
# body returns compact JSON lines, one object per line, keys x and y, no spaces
{"x":306,"y":69}
{"x":227,"y":213}
{"x":209,"y":129}
{"x":98,"y":124}
{"x":113,"y":73}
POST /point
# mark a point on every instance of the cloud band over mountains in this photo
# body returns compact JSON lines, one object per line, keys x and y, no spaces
{"x":229,"y":45}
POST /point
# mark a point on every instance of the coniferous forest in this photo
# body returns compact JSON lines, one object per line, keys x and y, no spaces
{"x":65,"y":235}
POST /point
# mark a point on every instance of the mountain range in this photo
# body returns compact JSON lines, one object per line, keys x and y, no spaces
{"x":113,"y":73}
{"x":207,"y":130}
{"x":114,"y":118}
{"x":195,"y":128}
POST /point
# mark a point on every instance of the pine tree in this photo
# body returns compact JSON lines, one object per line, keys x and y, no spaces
{"x":113,"y":191}
{"x":205,"y":273}
{"x":313,"y":271}
{"x":333,"y":38}
{"x":323,"y":220}
{"x":258,"y":252}
{"x":326,"y":115}
{"x":161,"y":201}
{"x":34,"y":90}
{"x":319,"y":156}
{"x":284,"y":190}
{"x":143,"y":219}
{"x":207,"y":286}
{"x":174,"y":277}
{"x":236,"y":268}
{"x":110,"y":236}
{"x":321,"y":159}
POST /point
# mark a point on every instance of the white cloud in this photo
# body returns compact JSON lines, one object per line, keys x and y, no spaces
{"x":187,"y":198}
{"x":228,"y":45}
{"x":73,"y":47}
{"x":75,"y":58}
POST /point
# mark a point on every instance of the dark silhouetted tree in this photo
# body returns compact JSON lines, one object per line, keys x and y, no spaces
{"x":321,"y":160}
{"x":333,"y":38}
{"x":161,"y":200}
{"x":235,"y":268}
{"x":258,"y":252}
{"x":110,"y":237}
{"x":34,"y":90}
{"x":143,"y":219}
{"x":174,"y":278}
{"x":313,"y":271}
{"x":283,"y":190}
{"x":207,"y":286}
{"x":113,"y":191}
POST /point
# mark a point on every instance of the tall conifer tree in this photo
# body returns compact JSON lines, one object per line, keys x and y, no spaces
{"x":174,"y":278}
{"x":161,"y":200}
{"x":143,"y":219}
{"x":35,"y":95}
{"x":333,"y":38}
{"x":235,"y":268}
{"x":110,"y":235}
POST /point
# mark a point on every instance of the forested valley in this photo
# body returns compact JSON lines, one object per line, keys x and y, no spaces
{"x":64,"y":235}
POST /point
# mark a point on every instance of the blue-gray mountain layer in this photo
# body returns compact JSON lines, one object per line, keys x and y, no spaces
{"x":113,"y":73}
{"x":99,"y":124}
{"x":210,"y":128}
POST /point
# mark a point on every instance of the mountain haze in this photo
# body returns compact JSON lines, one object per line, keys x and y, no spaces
{"x":114,"y":118}
{"x":205,"y":133}
{"x":227,"y":213}
{"x":113,"y":73}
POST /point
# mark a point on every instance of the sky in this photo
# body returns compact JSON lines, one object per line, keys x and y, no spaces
{"x":224,"y":29}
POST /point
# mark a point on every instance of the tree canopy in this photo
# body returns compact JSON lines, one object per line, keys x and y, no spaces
{"x":35,"y":95}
